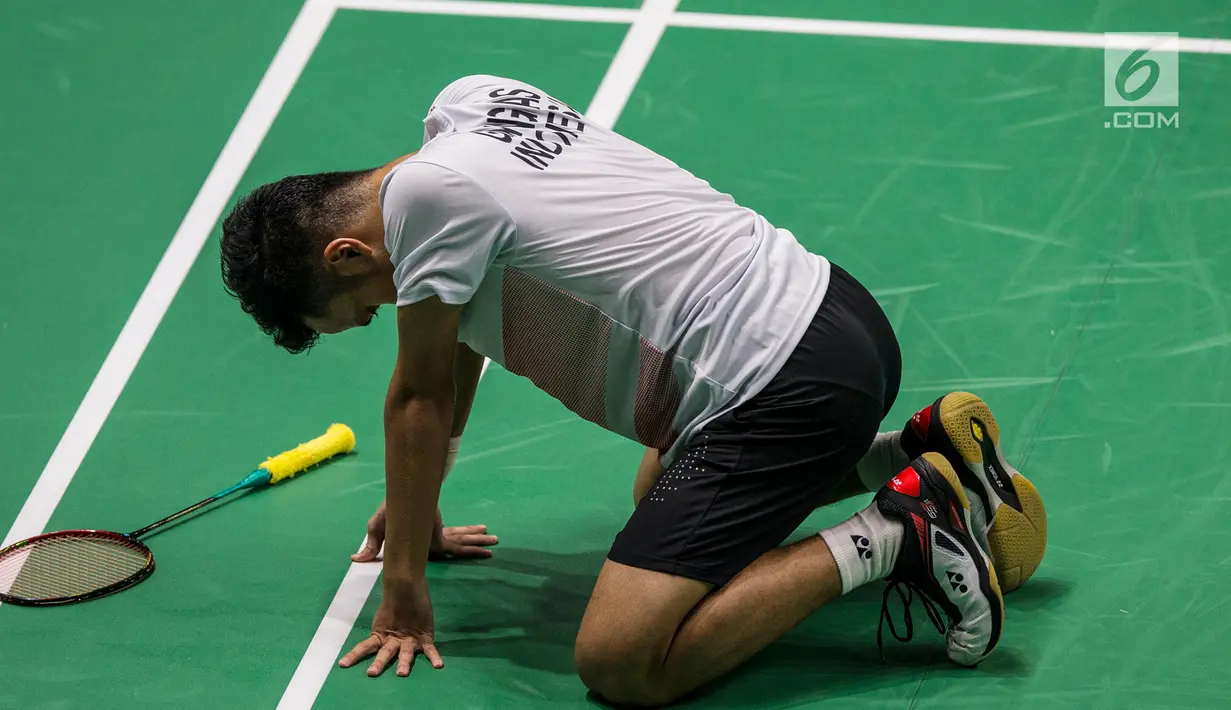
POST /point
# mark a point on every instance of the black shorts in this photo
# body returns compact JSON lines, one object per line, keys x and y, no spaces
{"x":747,"y":480}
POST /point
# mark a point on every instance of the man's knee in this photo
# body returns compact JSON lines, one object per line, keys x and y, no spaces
{"x":618,"y":672}
{"x":627,"y":632}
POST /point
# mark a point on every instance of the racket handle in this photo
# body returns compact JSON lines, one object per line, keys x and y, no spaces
{"x":338,"y":439}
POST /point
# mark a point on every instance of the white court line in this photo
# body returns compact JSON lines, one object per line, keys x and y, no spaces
{"x":609,"y":100}
{"x":787,"y":25}
{"x":630,"y":61}
{"x":935,"y":33}
{"x":509,"y":10}
{"x":253,"y":124}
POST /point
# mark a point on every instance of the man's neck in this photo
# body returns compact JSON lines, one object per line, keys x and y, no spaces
{"x":373,"y":181}
{"x":378,"y":176}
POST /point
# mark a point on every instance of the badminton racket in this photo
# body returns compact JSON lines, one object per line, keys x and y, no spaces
{"x":73,"y":566}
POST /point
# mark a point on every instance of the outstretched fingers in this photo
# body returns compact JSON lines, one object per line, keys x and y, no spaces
{"x":362,"y":650}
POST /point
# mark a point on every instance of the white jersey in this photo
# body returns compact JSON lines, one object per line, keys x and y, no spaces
{"x":631,"y":291}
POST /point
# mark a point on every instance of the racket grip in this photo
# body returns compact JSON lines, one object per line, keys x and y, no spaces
{"x":338,"y":439}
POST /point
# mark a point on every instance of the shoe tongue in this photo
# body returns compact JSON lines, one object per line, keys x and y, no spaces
{"x":921,"y":421}
{"x":915,"y":434}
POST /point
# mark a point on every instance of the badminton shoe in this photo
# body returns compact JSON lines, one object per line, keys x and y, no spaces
{"x":941,"y":560}
{"x":1006,"y":511}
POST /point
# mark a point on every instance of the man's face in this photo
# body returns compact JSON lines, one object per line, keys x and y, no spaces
{"x":346,"y":310}
{"x":368,"y":284}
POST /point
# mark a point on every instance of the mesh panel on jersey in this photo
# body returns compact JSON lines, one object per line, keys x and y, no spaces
{"x":558,"y":341}
{"x":658,"y":398}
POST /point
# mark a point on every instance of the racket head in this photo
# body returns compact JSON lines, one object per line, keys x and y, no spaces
{"x":71,"y":566}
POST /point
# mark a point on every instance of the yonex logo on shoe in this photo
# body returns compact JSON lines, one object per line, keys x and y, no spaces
{"x":921,"y":422}
{"x":863,"y":546}
{"x":955,"y":581}
{"x":993,"y":474}
{"x":930,"y":508}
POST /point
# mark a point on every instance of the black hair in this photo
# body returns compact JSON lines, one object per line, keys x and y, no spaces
{"x":271,"y":251}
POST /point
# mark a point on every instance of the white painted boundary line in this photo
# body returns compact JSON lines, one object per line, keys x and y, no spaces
{"x":935,"y":33}
{"x":322,"y":652}
{"x":508,"y":10}
{"x":787,"y":25}
{"x":609,"y":100}
{"x":630,"y":61}
{"x":253,"y":124}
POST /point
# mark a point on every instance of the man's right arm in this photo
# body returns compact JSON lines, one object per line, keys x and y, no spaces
{"x":468,"y":541}
{"x":467,"y":369}
{"x":465,"y":541}
{"x":456,"y":232}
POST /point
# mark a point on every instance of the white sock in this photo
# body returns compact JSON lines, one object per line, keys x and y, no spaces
{"x":884,"y":460}
{"x":865,"y":547}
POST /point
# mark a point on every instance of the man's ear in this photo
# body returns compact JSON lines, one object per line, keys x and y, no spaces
{"x":347,"y":256}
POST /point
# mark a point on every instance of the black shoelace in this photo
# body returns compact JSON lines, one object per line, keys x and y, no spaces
{"x":907,"y":597}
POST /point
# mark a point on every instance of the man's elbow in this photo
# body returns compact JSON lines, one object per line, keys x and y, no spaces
{"x":419,"y":405}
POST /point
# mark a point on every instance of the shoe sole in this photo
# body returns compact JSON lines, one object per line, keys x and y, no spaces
{"x":1017,"y":537}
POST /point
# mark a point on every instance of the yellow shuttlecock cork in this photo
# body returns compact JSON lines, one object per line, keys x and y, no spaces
{"x":338,"y":439}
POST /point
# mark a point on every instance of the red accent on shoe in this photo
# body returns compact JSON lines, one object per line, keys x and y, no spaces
{"x":957,"y":519}
{"x":922,"y":421}
{"x":921,"y":527}
{"x":906,"y":483}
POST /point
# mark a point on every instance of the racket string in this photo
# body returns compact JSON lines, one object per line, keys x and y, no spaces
{"x":90,"y":564}
{"x":70,"y":565}
{"x":74,"y":566}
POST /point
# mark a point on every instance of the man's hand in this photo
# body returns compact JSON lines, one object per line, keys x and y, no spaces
{"x":403,"y":627}
{"x":468,"y":542}
{"x":463,"y":543}
{"x":376,"y":537}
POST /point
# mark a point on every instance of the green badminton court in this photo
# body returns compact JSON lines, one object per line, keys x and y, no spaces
{"x":953,"y":155}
